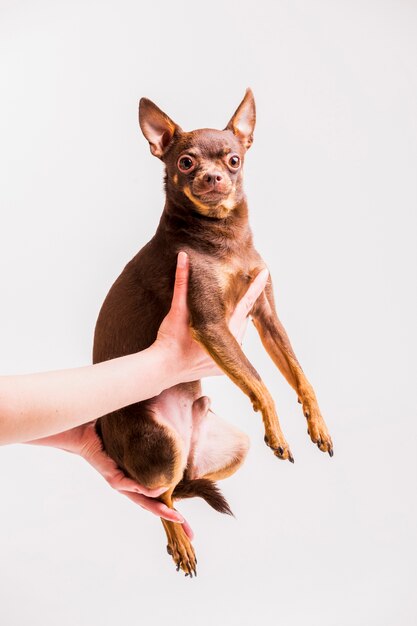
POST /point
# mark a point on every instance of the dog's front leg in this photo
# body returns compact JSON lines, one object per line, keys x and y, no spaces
{"x":278,"y":346}
{"x":219,"y":342}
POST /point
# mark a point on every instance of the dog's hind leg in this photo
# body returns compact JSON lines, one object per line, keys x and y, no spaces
{"x":179,"y":545}
{"x":218,"y":451}
{"x":160,"y":462}
{"x":217,"y":448}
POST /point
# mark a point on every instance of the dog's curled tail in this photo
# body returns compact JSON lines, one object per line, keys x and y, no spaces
{"x":203,"y":488}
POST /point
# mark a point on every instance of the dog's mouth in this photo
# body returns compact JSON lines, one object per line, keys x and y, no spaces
{"x":213,"y":203}
{"x":212,"y":196}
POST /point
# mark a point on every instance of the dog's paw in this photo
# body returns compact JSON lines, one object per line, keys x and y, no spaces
{"x":182,"y":552}
{"x":279,"y":447}
{"x":316,"y":426}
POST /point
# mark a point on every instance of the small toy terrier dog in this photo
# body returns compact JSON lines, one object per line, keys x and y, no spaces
{"x":174,"y":440}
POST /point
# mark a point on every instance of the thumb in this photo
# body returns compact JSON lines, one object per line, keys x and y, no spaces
{"x":244,"y":306}
{"x":255,"y":289}
{"x":179,"y":296}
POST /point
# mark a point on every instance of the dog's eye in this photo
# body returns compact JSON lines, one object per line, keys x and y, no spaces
{"x":186,"y":163}
{"x":234,"y":161}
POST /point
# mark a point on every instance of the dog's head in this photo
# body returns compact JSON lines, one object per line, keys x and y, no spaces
{"x":203,"y":167}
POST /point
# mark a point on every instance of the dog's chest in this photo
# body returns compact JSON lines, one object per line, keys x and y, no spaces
{"x":234,"y":275}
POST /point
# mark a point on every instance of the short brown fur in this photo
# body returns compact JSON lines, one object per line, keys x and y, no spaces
{"x":205,"y":215}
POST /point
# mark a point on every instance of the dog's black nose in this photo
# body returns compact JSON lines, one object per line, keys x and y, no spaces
{"x":213,"y":178}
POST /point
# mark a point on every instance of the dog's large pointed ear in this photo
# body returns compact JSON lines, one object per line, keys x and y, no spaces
{"x":242,"y":123}
{"x":157,"y":127}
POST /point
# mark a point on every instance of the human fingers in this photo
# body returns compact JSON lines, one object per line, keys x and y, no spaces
{"x":237,"y":322}
{"x":120,"y":482}
{"x":134,"y":491}
{"x":188,"y":530}
{"x":116,"y":478}
{"x":160,"y":509}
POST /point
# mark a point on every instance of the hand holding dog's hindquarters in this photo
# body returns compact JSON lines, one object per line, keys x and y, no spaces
{"x":83,"y":440}
{"x":189,"y":360}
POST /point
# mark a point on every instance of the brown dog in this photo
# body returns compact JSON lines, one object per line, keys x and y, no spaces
{"x":175,"y":440}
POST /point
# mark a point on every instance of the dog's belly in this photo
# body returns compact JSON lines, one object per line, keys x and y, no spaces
{"x":207,"y":442}
{"x":173,"y":409}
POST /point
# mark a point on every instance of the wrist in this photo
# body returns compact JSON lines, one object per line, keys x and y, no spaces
{"x":167,"y":364}
{"x":69,"y":440}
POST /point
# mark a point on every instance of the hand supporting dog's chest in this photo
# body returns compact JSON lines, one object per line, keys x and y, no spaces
{"x":218,"y":282}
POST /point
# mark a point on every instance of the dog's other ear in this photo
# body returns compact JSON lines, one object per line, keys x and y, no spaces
{"x":243,"y":121}
{"x":157,"y":127}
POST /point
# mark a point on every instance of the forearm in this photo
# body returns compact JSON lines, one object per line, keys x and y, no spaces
{"x":38,"y":405}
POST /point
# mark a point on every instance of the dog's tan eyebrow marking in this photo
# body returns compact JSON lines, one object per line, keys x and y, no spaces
{"x":223,"y":152}
{"x":191,"y":152}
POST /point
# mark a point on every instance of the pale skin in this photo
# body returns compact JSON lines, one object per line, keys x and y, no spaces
{"x":59,"y":408}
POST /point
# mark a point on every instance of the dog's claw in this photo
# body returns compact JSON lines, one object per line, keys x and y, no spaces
{"x":169,"y":550}
{"x":279,"y":451}
{"x":182,"y":552}
{"x":316,"y":427}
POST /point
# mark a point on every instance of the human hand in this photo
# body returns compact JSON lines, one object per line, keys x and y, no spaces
{"x":83,"y":440}
{"x":174,"y":336}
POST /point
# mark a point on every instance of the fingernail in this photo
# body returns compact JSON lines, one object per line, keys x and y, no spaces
{"x":182,"y":260}
{"x":180,"y":519}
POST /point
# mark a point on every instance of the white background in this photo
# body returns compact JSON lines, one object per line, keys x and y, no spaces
{"x":331,"y":182}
